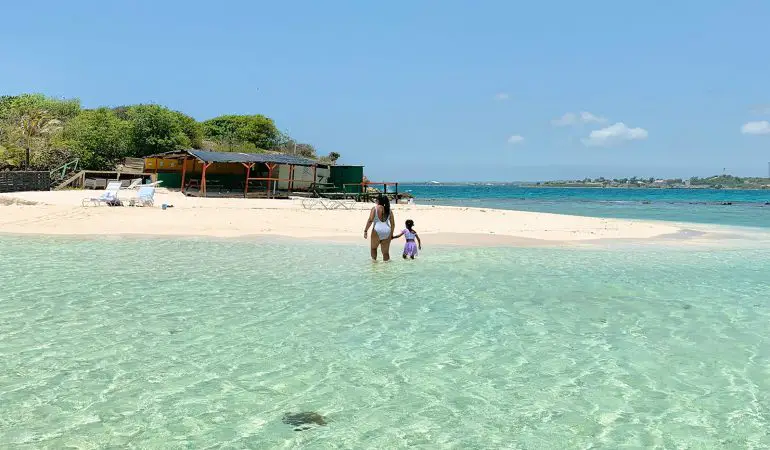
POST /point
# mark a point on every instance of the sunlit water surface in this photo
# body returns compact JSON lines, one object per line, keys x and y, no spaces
{"x":196,"y":344}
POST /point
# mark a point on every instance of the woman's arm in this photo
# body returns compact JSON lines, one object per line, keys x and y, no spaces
{"x":369,"y":223}
{"x":392,"y":224}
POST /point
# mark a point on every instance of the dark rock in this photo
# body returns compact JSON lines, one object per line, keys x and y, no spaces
{"x":304,"y":420}
{"x":686,"y":306}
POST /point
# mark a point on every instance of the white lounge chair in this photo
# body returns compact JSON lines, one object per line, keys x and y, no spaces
{"x":135,"y":183}
{"x":327,"y":203}
{"x":108,"y":197}
{"x":339,"y":203}
{"x":145,"y":196}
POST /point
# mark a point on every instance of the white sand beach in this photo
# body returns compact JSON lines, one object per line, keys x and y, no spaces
{"x":61,"y":213}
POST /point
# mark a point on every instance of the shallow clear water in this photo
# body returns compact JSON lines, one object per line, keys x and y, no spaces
{"x":746,"y":208}
{"x":196,"y":344}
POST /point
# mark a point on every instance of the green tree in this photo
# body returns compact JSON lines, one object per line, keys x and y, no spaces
{"x":10,"y":136}
{"x":232,"y":129}
{"x":333,"y":157}
{"x":155,"y":129}
{"x":32,"y":121}
{"x":191,"y":128}
{"x":99,"y":138}
{"x":6,"y":101}
{"x":306,"y":150}
{"x":289,"y":145}
{"x":240,"y":147}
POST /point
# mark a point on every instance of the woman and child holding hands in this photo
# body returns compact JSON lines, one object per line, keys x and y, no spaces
{"x":384,"y":224}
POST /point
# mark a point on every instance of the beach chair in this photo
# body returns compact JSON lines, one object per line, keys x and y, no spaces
{"x":134,"y":183}
{"x":145,"y":196}
{"x":327,"y":203}
{"x":311,"y":202}
{"x":108,"y":197}
{"x":338,"y":203}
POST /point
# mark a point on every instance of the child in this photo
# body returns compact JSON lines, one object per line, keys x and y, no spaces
{"x":410,"y":248}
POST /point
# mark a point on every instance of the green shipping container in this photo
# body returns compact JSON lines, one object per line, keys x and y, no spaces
{"x":347,"y":175}
{"x":170,"y":179}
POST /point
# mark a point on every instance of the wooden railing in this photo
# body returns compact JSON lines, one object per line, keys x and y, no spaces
{"x":62,"y":171}
{"x":366,"y":195}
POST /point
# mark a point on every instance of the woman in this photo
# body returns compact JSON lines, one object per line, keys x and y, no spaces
{"x":384,"y":223}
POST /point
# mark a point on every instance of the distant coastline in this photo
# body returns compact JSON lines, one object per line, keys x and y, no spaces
{"x":727,"y":182}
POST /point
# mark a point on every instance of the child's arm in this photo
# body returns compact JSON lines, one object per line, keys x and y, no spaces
{"x":398,"y":235}
{"x":419,"y":244}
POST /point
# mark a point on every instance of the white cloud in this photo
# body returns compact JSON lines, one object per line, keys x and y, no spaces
{"x":614,"y":134}
{"x":502,"y":96}
{"x":565,"y":120}
{"x":587,"y":117}
{"x":515,"y":139}
{"x":571,"y":118}
{"x":760,"y":127}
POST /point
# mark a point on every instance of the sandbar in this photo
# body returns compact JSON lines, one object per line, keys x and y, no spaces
{"x":61,"y":213}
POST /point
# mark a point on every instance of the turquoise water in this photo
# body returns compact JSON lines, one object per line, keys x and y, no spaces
{"x":207,"y":344}
{"x":747,"y":208}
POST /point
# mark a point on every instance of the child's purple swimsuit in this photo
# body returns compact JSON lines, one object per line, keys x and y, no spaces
{"x":410,"y":248}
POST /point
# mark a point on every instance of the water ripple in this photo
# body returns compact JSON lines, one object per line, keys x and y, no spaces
{"x":180,"y":344}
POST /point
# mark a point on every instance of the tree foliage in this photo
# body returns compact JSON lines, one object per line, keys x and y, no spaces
{"x":32,"y":122}
{"x":43,"y":132}
{"x":230,"y":130}
{"x":155,"y":129}
{"x":287,"y":144}
{"x":99,"y":138}
{"x":191,"y":128}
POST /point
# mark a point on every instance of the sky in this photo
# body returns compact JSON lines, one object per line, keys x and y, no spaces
{"x":431,"y":90}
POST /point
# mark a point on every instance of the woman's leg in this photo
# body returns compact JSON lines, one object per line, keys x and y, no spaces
{"x":373,"y":243}
{"x":385,"y":249}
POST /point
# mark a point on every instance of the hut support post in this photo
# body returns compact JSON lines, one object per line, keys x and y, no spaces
{"x":291,"y":178}
{"x":270,"y":168}
{"x":184,"y":172}
{"x":397,"y":193}
{"x":248,"y":174}
{"x":314,"y":184}
{"x":203,"y":178}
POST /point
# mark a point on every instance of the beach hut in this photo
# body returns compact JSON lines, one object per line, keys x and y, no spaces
{"x":204,"y":172}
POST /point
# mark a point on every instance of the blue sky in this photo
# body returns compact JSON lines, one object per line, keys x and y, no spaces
{"x":431,"y":89}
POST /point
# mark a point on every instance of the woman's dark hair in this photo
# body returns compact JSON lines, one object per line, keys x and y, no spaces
{"x":409,"y":224}
{"x":383,"y":200}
